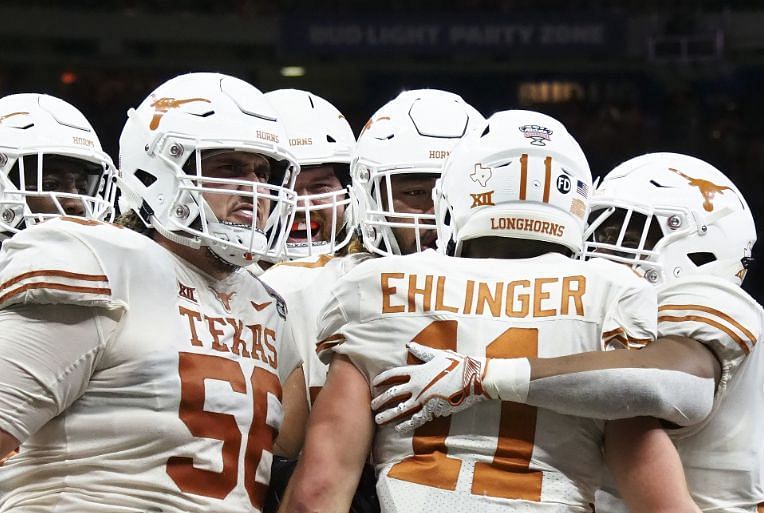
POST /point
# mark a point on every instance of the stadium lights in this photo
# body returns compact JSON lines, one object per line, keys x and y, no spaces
{"x":292,"y":71}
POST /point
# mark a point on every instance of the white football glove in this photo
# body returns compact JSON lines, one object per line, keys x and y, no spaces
{"x":447,"y":383}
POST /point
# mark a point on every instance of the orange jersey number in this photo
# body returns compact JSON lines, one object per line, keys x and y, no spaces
{"x":194,"y":369}
{"x":508,"y":475}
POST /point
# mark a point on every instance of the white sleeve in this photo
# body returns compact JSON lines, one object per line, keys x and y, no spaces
{"x":631,"y":321}
{"x":330,"y":333}
{"x":718,"y":314}
{"x":47,"y":356}
{"x":289,"y":358}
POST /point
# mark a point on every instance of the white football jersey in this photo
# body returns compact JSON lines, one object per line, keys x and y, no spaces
{"x":305,"y":284}
{"x":496,"y":455}
{"x":182,"y":406}
{"x":723,"y":456}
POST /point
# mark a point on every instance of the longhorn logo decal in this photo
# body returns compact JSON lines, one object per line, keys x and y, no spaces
{"x":162,"y":105}
{"x":707,"y":189}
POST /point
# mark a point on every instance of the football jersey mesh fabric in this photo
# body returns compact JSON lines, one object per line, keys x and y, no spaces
{"x":305,"y":285}
{"x":183,"y":402}
{"x":496,"y":454}
{"x":723,"y":456}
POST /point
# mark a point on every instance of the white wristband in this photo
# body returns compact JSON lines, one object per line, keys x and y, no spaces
{"x":507,"y":379}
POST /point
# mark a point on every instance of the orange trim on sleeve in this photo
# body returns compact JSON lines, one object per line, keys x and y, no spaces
{"x":61,"y":274}
{"x":321,"y":262}
{"x":328,"y":342}
{"x":710,"y":310}
{"x":696,"y":318}
{"x":54,"y":286}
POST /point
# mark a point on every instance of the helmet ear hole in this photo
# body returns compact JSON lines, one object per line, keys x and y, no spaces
{"x":701,"y":258}
{"x":145,"y":177}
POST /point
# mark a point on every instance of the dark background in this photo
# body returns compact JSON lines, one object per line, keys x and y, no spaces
{"x":626,"y":77}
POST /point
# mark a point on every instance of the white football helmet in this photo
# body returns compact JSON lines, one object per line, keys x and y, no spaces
{"x":521,"y":175}
{"x":671,"y":215}
{"x":411,"y":134}
{"x":318,"y":135}
{"x":161,"y":151}
{"x":34,"y":128}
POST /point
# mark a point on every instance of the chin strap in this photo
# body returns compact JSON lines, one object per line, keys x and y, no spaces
{"x":195,"y":242}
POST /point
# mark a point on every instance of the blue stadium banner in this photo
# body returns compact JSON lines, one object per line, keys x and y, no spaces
{"x":505,"y":35}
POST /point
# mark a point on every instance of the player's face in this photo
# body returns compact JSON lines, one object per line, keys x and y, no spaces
{"x":609,"y":231}
{"x":316,"y":180}
{"x":412,"y":194}
{"x":237,"y":165}
{"x":59,"y":175}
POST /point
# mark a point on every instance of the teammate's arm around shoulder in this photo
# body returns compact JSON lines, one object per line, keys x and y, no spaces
{"x":295,"y":402}
{"x":646,"y":467}
{"x":8,"y":444}
{"x":338,"y":441}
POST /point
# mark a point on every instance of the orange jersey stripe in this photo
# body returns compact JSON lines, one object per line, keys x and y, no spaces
{"x":54,"y":286}
{"x":321,"y":262}
{"x":696,"y":318}
{"x":328,"y":342}
{"x":612,"y":333}
{"x":61,"y":274}
{"x":710,"y":310}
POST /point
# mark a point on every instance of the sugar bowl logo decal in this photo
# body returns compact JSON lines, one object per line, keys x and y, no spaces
{"x":536,"y":133}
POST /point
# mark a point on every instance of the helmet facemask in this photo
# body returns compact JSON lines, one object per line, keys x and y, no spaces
{"x":196,"y":117}
{"x":670,"y":216}
{"x":322,"y":223}
{"x":397,"y":200}
{"x":51,"y":183}
{"x":265,"y":209}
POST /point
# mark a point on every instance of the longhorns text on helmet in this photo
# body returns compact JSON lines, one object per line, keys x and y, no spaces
{"x":162,"y":147}
{"x":520,"y":175}
{"x":51,"y":164}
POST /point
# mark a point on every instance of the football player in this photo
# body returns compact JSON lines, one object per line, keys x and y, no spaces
{"x":51,"y":164}
{"x":511,"y":207}
{"x":395,"y":163}
{"x":144,"y":372}
{"x":683,"y":226}
{"x":322,"y":142}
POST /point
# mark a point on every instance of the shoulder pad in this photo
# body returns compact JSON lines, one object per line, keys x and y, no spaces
{"x":65,"y":261}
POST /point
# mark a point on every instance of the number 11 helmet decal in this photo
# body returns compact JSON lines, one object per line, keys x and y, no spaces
{"x":521,"y":175}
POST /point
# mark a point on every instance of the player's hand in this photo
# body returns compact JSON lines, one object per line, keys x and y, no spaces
{"x":447,"y":382}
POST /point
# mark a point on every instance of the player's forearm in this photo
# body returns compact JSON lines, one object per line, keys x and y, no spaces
{"x":646,"y":467}
{"x":8,"y":444}
{"x":670,"y":381}
{"x":337,"y":444}
{"x":292,"y":433}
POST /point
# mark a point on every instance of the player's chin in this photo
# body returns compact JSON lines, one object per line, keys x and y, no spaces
{"x":428,"y":240}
